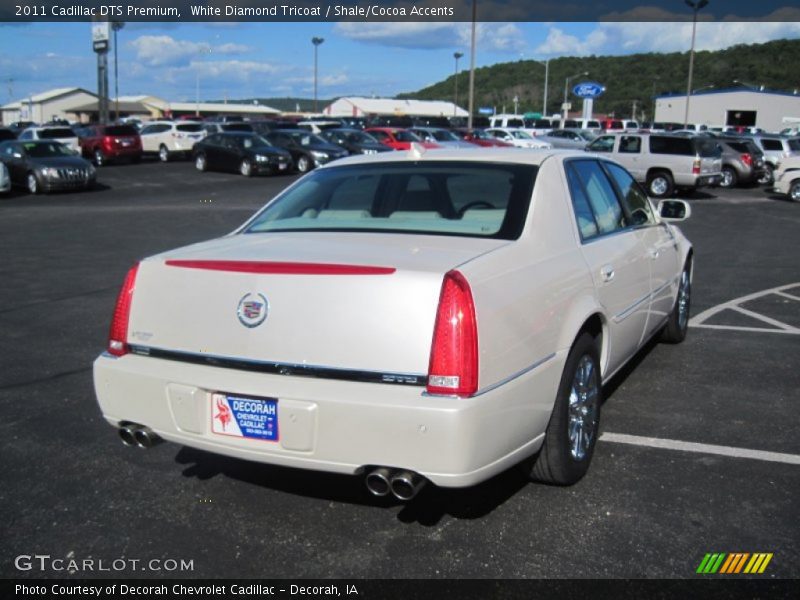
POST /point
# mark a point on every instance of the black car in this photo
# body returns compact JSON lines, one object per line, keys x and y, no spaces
{"x":308,"y":150}
{"x":240,"y":152}
{"x":354,"y":141}
{"x":228,"y":127}
{"x":46,"y":166}
{"x":7,"y":134}
{"x":19,"y":126}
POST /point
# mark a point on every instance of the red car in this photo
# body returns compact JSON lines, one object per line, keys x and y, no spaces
{"x":105,"y":143}
{"x":398,"y":139}
{"x":480,"y":138}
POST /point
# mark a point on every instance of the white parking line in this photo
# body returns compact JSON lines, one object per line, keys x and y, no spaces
{"x":736,"y":305}
{"x":635,"y":440}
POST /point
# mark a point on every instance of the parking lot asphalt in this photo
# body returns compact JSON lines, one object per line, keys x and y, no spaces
{"x":649,"y":506}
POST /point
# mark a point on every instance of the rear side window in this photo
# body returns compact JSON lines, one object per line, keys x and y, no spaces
{"x":671,"y":145}
{"x":794,"y":145}
{"x":630,"y":144}
{"x":603,"y":200}
{"x":580,"y":204}
{"x":772,"y":145}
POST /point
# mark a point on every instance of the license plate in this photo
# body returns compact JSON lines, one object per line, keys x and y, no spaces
{"x":237,"y":416}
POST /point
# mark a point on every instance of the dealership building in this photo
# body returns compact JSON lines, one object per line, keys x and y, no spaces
{"x":768,"y":109}
{"x":356,"y":106}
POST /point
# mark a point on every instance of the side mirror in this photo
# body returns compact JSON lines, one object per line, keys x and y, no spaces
{"x":674,"y":210}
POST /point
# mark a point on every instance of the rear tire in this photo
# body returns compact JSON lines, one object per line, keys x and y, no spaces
{"x":572,"y":432}
{"x":303,"y":164}
{"x":660,"y":184}
{"x":163,"y":153}
{"x":677,"y":326}
{"x":729,"y":178}
{"x":794,"y":190}
{"x":200,"y":162}
{"x":768,"y":177}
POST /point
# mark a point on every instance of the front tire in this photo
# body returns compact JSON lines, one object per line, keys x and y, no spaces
{"x":767,"y":177}
{"x":163,"y":153}
{"x":660,"y":184}
{"x":34,"y":187}
{"x":99,"y":159}
{"x":303,"y":164}
{"x":677,"y":326}
{"x":200,"y":162}
{"x":794,"y":190}
{"x":246,"y":168}
{"x":572,"y":432}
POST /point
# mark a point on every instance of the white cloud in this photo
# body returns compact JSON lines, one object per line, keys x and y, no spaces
{"x":626,"y":38}
{"x":164,"y":50}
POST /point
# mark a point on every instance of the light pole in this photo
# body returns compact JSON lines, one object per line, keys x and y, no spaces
{"x":456,"y":55}
{"x":566,"y":87}
{"x":472,"y":66}
{"x":695,"y":5}
{"x":115,"y":27}
{"x":316,"y":41}
{"x":655,"y":79}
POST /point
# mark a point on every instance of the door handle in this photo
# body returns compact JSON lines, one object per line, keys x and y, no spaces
{"x":607,"y":273}
{"x":654,"y":253}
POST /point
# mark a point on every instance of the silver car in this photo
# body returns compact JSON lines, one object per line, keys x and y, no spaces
{"x":442,"y":137}
{"x":571,"y":139}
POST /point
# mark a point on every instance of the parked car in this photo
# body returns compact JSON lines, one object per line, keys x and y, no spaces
{"x":5,"y":179}
{"x":398,"y":139}
{"x":354,"y":141}
{"x":107,"y":143}
{"x":168,"y":139}
{"x":775,"y":149}
{"x":518,"y":138}
{"x":65,"y":135}
{"x":612,"y":125}
{"x":227,"y":127}
{"x":504,"y":121}
{"x":246,"y":153}
{"x":479,"y":137}
{"x":307,"y":149}
{"x":319,"y":126}
{"x":664,"y":162}
{"x":584,"y":124}
{"x":46,"y":166}
{"x":19,"y":126}
{"x":742,"y":162}
{"x":409,"y":317}
{"x":441,"y":137}
{"x":571,"y":139}
{"x":7,"y":134}
{"x":787,"y":178}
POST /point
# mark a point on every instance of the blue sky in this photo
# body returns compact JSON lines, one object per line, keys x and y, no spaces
{"x":240,"y":60}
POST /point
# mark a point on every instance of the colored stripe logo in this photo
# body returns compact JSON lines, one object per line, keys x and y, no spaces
{"x":734,"y":563}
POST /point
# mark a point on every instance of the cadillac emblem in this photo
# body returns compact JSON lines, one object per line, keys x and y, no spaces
{"x":253,"y":309}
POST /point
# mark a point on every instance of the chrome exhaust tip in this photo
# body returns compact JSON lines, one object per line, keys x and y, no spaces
{"x":145,"y":438}
{"x":377,"y":482}
{"x":128,"y":435}
{"x":406,"y":484}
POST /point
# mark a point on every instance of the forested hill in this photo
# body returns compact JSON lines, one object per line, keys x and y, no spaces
{"x":637,"y":77}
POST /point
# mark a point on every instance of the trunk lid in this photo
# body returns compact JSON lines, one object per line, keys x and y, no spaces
{"x":363,"y":302}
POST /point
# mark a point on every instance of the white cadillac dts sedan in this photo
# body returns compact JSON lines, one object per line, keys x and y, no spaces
{"x":408,"y":317}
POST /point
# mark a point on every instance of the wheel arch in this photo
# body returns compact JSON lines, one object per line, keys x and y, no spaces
{"x":589,"y":319}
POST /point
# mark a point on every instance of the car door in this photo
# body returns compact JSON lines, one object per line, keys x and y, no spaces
{"x":616,"y":258}
{"x":658,"y":241}
{"x":149,"y":135}
{"x":629,"y":154}
{"x":14,"y":157}
{"x":230,"y":153}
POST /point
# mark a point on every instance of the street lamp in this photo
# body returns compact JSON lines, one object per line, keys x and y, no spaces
{"x":546,"y":65}
{"x":316,"y":41}
{"x":695,"y":5}
{"x":472,"y":65}
{"x":116,"y":26}
{"x":566,"y":87}
{"x":456,"y":55}
{"x":203,"y":51}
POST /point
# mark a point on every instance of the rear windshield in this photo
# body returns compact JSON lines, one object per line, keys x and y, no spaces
{"x":191,"y":127}
{"x":237,"y":127}
{"x":55,"y":133}
{"x":439,"y":198}
{"x":121,"y":130}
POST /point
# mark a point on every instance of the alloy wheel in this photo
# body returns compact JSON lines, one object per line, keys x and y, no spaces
{"x":583,"y":397}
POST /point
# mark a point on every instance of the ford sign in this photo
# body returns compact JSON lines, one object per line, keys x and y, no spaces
{"x":589,"y":89}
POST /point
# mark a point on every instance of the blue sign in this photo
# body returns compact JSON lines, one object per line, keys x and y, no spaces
{"x":486,"y":110}
{"x":589,"y":89}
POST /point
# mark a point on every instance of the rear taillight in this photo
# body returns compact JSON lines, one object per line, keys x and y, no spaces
{"x":696,"y":167}
{"x":453,"y":367}
{"x":118,"y":335}
{"x":108,"y":143}
{"x":747,"y":159}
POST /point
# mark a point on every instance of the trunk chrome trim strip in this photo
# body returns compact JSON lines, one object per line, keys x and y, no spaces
{"x":279,"y":268}
{"x":277,"y":368}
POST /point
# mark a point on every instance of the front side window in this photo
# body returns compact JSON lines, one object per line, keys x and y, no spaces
{"x":603,"y":200}
{"x":637,"y":205}
{"x":437,"y":198}
{"x":602,"y":144}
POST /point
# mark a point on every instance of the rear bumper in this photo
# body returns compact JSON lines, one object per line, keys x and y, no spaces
{"x":338,"y":426}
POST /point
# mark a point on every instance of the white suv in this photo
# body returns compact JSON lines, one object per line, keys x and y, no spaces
{"x":65,"y":135}
{"x":168,"y":138}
